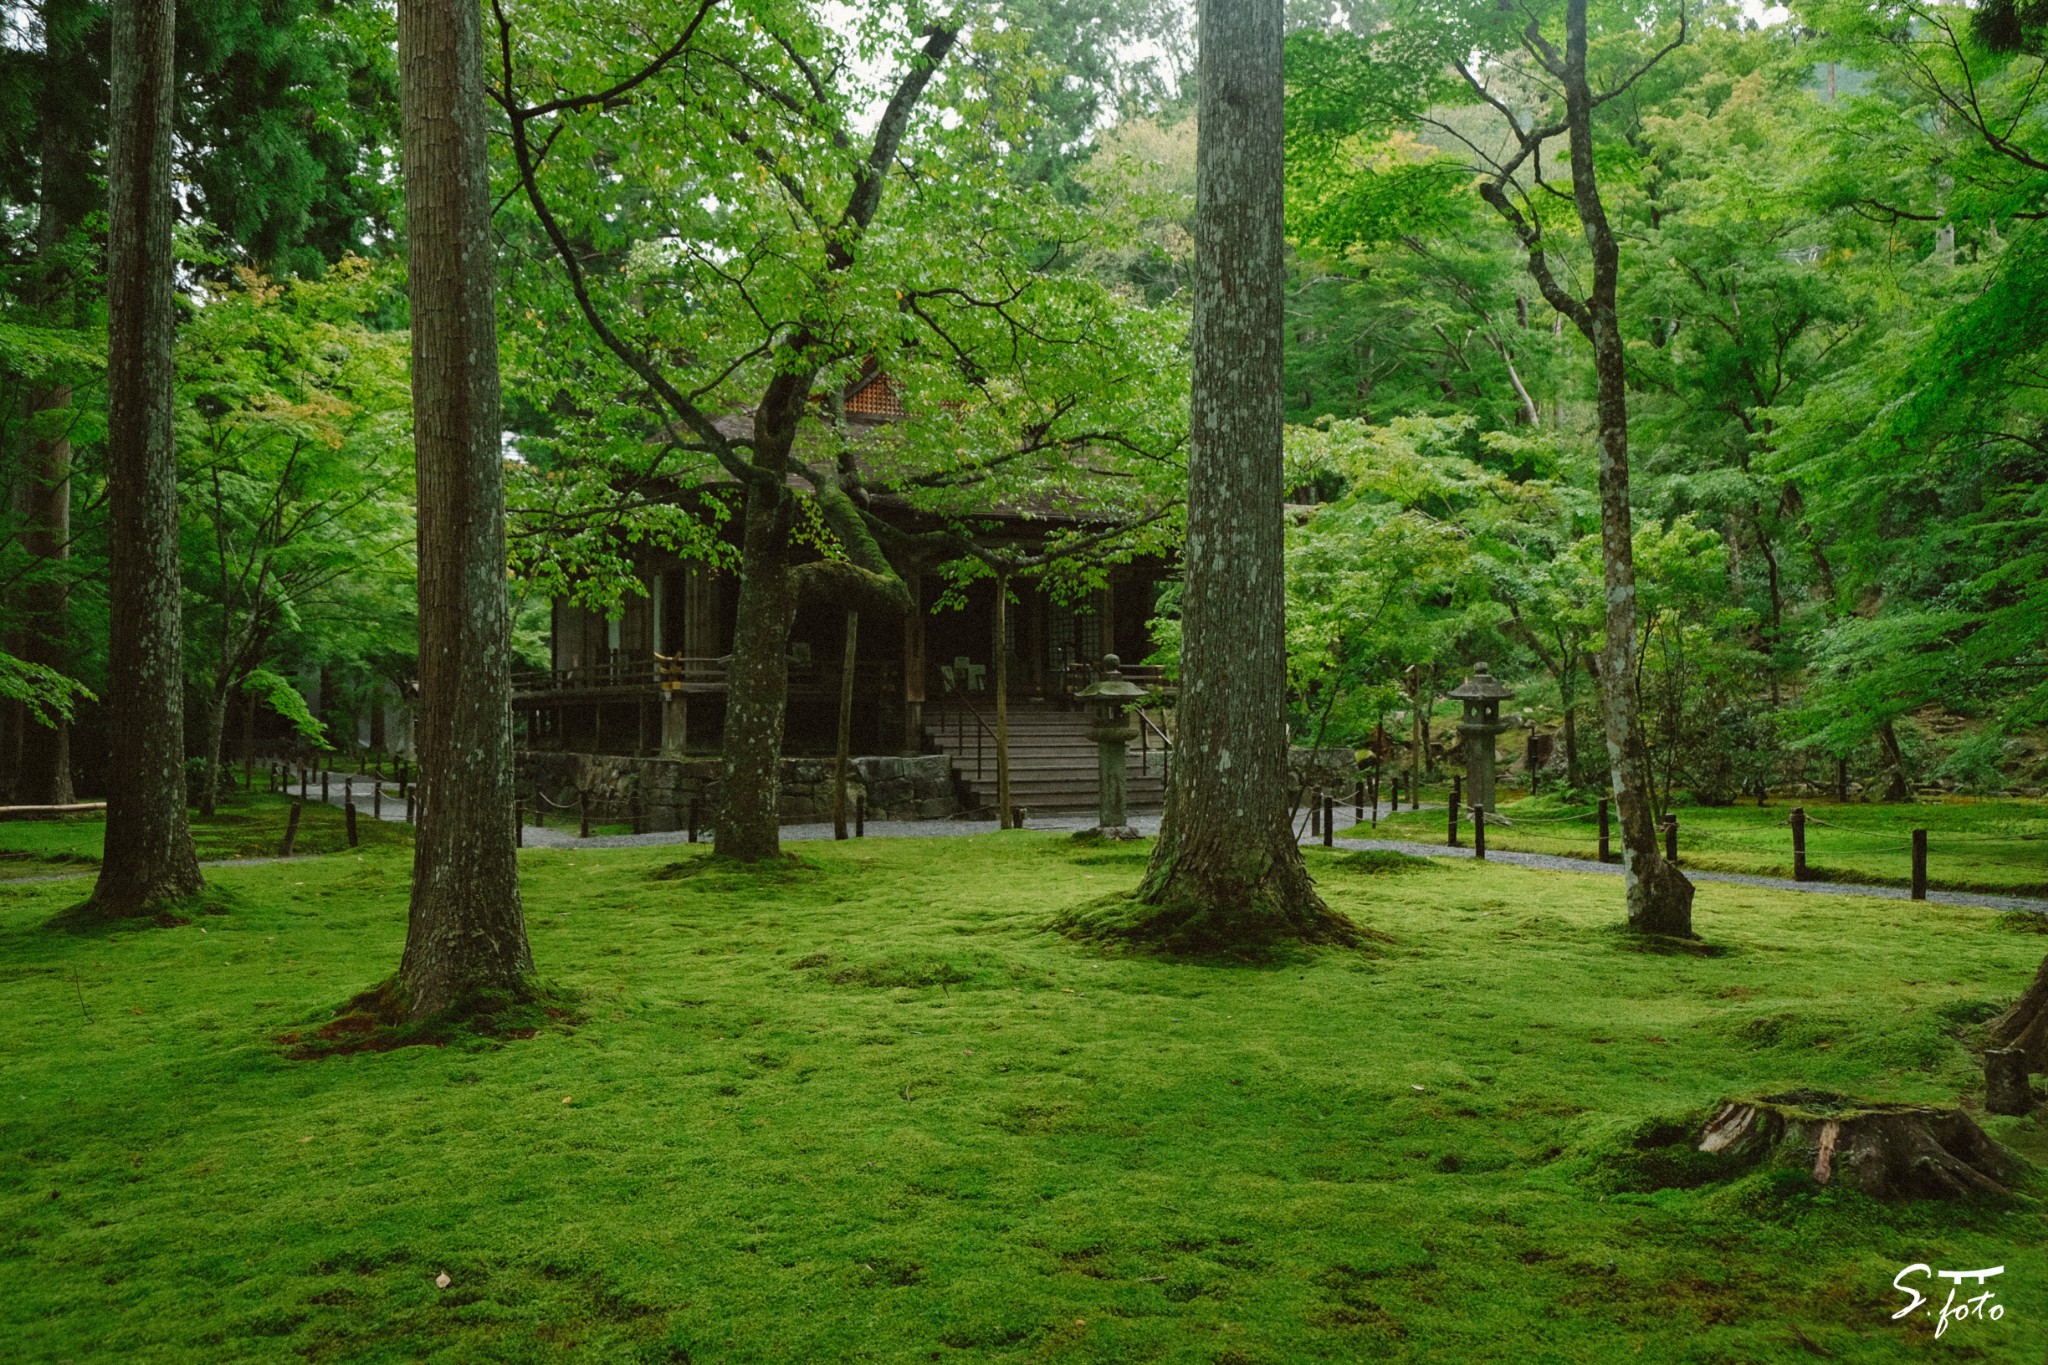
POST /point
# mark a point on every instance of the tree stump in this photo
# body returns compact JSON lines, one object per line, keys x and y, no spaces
{"x":1888,"y":1151}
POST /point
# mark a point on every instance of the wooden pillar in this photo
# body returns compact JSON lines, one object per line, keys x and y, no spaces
{"x":913,"y":668}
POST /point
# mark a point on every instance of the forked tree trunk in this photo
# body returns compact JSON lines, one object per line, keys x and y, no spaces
{"x":1659,"y":895}
{"x":1226,"y":871}
{"x":148,"y":857}
{"x":466,"y":934}
{"x":757,"y":685}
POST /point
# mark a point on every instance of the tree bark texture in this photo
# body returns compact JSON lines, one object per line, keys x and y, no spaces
{"x":466,"y":934}
{"x":148,"y":856}
{"x":757,"y":684}
{"x":66,"y":100}
{"x":1226,"y":868}
{"x":1659,"y":895}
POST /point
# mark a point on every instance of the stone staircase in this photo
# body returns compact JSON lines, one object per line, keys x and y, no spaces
{"x":1052,"y":760}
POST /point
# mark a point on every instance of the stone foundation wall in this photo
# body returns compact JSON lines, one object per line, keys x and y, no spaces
{"x":659,"y":790}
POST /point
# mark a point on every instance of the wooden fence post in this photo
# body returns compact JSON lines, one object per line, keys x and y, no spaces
{"x":860,"y":817}
{"x":1358,"y":803}
{"x":1329,"y":821}
{"x":582,"y":814}
{"x":1479,"y":832}
{"x":348,"y":815}
{"x":1919,"y":864}
{"x":291,"y":829}
{"x":1606,"y":848}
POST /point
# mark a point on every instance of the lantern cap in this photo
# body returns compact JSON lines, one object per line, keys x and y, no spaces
{"x":1110,"y":685}
{"x":1481,"y":686}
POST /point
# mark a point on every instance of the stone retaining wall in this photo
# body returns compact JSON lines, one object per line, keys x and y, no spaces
{"x":660,"y":790}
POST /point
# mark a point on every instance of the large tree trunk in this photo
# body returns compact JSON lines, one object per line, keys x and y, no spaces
{"x":466,"y":935}
{"x":757,"y":685}
{"x":148,"y":857}
{"x":1226,"y":871}
{"x":1659,"y":895}
{"x":65,"y":195}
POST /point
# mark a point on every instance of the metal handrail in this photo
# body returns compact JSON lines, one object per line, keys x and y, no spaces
{"x":982,"y":727}
{"x":1145,"y":723}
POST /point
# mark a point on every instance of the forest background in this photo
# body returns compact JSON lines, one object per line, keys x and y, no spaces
{"x":1834,"y":296}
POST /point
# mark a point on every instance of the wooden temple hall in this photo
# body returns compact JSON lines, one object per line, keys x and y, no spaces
{"x":607,"y":692}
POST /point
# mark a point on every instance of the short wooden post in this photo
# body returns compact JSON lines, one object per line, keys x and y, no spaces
{"x":693,"y":821}
{"x":1375,"y":803}
{"x":1315,"y":811}
{"x":540,"y":807}
{"x":1606,"y":848}
{"x":377,"y":799}
{"x":860,"y":817}
{"x":1329,"y":821}
{"x":1479,"y":832}
{"x":324,"y":775}
{"x":1799,"y":843}
{"x":583,"y":814}
{"x":304,"y":778}
{"x":348,"y":815}
{"x":1358,"y":803}
{"x":348,"y":791}
{"x":2007,"y":1090}
{"x":1457,"y":789}
{"x":412,"y":808}
{"x":1919,"y":864}
{"x":1451,"y":830}
{"x":291,"y":829}
{"x":1671,"y":839}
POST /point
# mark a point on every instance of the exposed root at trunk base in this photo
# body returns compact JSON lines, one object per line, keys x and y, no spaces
{"x":1251,"y":931}
{"x":1888,"y":1151}
{"x":376,"y":1021}
{"x":2016,"y":1048}
{"x":164,"y":912}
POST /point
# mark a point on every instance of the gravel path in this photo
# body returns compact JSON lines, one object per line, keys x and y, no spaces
{"x":1146,"y":823}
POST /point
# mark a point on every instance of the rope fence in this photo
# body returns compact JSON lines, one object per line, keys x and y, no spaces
{"x":1727,"y":836}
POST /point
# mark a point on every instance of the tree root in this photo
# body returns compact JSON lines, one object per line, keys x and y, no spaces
{"x":1888,"y":1151}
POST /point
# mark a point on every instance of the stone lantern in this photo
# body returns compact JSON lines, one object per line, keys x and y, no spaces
{"x":1108,"y":696}
{"x":1482,"y":695}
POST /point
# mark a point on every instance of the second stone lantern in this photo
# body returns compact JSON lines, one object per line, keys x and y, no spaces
{"x":1482,"y":695}
{"x":1110,"y":696}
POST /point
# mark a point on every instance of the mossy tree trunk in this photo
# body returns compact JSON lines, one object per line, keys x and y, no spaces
{"x":1226,"y":870}
{"x":148,"y":857}
{"x":466,"y":934}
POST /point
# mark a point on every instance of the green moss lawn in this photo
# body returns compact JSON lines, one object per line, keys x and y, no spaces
{"x":1997,"y":846}
{"x":244,"y":827}
{"x":865,"y":1108}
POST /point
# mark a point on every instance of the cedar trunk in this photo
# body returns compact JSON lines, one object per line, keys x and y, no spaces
{"x":843,"y":755}
{"x":148,"y":856}
{"x":67,"y":192}
{"x":466,"y":933}
{"x":1659,"y":895}
{"x":1226,"y":867}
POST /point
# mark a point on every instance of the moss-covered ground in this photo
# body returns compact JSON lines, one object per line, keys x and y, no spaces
{"x":864,"y":1107}
{"x":1996,"y":846}
{"x":244,"y":826}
